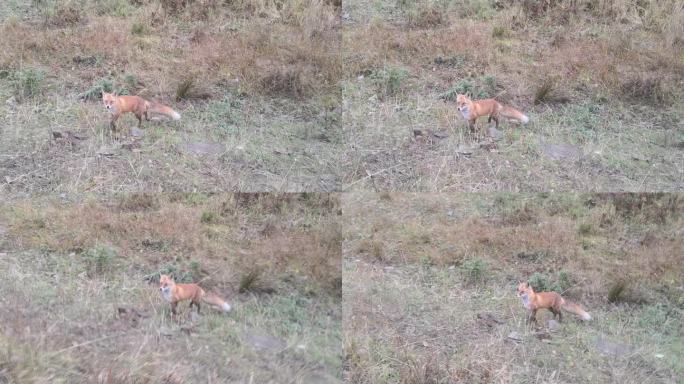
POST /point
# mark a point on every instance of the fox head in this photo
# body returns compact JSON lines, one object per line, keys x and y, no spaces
{"x":108,"y":99}
{"x":524,"y":289}
{"x":463,"y":104}
{"x":165,"y":284}
{"x":462,"y":101}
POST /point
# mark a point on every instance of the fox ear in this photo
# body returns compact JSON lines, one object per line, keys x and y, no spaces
{"x":115,"y":94}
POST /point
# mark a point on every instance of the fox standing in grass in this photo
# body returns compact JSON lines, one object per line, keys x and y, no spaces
{"x":472,"y":109}
{"x":140,"y":107}
{"x":175,"y":293}
{"x":552,"y":301}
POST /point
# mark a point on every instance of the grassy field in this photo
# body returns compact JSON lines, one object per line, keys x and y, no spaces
{"x":600,"y":80}
{"x":79,"y":299}
{"x":256,"y":83}
{"x":430,"y":279}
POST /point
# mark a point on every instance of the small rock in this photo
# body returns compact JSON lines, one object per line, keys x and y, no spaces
{"x":262,"y":341}
{"x":136,"y":132}
{"x":515,"y":336}
{"x":488,"y":319}
{"x":204,"y":148}
{"x":552,"y":325}
{"x":106,"y":152}
{"x":494,"y":133}
{"x":561,"y":151}
{"x":610,"y":348}
{"x":464,"y":150}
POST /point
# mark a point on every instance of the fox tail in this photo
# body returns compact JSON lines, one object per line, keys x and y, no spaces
{"x":512,"y":113}
{"x":164,"y":110}
{"x":214,"y":300}
{"x":577,"y":310}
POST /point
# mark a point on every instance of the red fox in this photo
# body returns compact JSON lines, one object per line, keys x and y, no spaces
{"x":552,"y":301}
{"x":175,"y":293}
{"x":471,"y":110}
{"x":119,"y":105}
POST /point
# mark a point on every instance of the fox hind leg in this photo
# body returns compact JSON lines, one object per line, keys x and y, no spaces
{"x":196,"y":304}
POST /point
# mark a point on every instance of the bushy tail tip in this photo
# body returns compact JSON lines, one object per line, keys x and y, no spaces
{"x":225,"y":307}
{"x":525,"y":119}
{"x":175,"y":115}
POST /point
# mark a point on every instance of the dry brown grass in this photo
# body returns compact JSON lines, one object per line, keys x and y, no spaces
{"x":569,"y":65}
{"x":414,"y":229}
{"x":92,"y":312}
{"x":297,"y":40}
{"x":418,"y":315}
{"x":240,"y":238}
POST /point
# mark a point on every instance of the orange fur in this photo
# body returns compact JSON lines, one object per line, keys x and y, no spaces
{"x":136,"y":105}
{"x":552,"y":301}
{"x":175,"y":293}
{"x":471,"y":110}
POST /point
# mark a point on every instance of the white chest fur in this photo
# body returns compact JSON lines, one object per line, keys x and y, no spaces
{"x":166,"y":294}
{"x":526,"y":301}
{"x":465,"y":113}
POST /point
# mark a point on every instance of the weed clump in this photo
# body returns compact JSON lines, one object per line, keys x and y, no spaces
{"x":208,"y":217}
{"x":390,"y":81}
{"x":429,"y":17}
{"x":184,"y":88}
{"x":99,"y":259}
{"x":617,"y":290}
{"x":103,"y":85}
{"x":476,"y":270}
{"x":648,"y":88}
{"x":29,"y":82}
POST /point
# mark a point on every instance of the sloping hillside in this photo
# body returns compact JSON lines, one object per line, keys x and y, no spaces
{"x":256,"y":84}
{"x":430,"y":288}
{"x":601,"y":81}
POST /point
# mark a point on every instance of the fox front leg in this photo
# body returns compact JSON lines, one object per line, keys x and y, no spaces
{"x":196,"y":304}
{"x":173,"y":308}
{"x":471,"y":125}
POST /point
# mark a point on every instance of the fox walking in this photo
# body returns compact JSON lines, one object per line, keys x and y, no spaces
{"x":175,"y":293}
{"x":118,"y":105}
{"x":533,"y":301}
{"x":472,"y":109}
